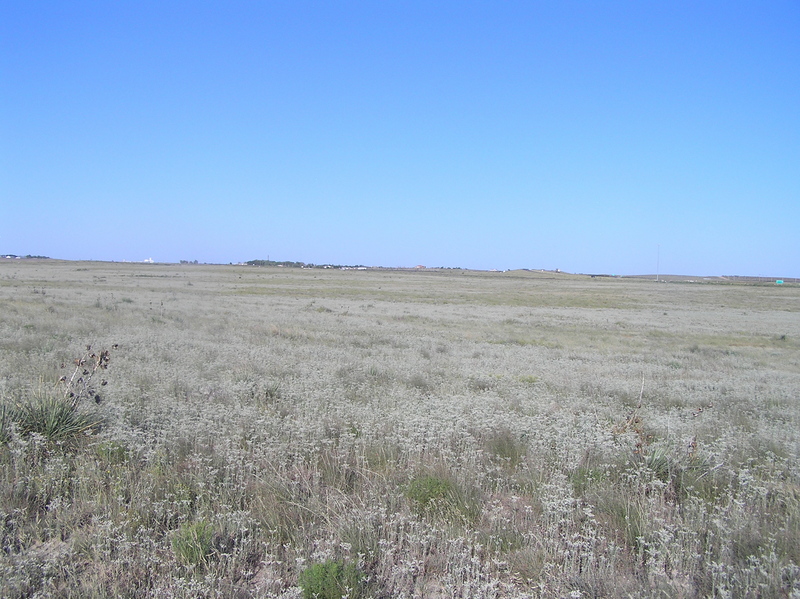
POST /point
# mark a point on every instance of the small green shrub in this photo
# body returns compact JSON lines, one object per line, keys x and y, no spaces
{"x":429,"y":490}
{"x":331,"y":580}
{"x":112,"y":452}
{"x":584,"y":479}
{"x":420,"y":383}
{"x":192,"y":543}
{"x":506,"y":447}
{"x":440,"y":496}
{"x":481,"y":384}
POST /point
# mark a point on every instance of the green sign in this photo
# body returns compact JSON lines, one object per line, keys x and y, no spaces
{"x":779,"y":282}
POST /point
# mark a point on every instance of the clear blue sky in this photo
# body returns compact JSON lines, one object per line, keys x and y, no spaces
{"x":575,"y":135}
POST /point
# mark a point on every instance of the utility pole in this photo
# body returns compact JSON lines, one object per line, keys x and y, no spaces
{"x":658,"y":261}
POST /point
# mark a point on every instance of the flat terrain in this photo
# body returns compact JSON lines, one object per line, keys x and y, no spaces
{"x":441,"y":433}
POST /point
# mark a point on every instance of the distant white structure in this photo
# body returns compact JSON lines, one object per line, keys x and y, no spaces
{"x":148,"y":261}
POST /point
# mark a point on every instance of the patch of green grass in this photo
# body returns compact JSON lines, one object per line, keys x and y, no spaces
{"x":428,"y":490}
{"x":192,"y":543}
{"x":623,"y":516}
{"x":527,"y":341}
{"x":112,"y":452}
{"x":331,"y":580}
{"x":482,"y":384}
{"x":506,"y":447}
{"x":585,"y":478}
{"x":439,"y":495}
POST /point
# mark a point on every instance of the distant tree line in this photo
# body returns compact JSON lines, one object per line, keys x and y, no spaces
{"x":290,"y":264}
{"x":286,"y":263}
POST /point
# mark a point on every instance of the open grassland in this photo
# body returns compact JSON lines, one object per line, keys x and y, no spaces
{"x":283,"y":433}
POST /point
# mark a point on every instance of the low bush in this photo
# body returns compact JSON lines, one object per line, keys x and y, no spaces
{"x":429,"y":490}
{"x":331,"y":580}
{"x":440,"y":496}
{"x":506,"y":447}
{"x":192,"y":543}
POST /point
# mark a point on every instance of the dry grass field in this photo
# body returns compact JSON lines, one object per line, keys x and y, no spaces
{"x":269,"y":432}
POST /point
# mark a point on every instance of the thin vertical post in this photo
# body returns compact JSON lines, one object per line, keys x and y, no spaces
{"x":658,"y":261}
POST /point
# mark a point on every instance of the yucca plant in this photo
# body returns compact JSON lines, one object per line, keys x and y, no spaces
{"x":55,"y":418}
{"x":6,"y":421}
{"x":58,"y":416}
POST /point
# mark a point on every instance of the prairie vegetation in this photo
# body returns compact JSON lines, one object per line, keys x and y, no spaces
{"x":269,"y":432}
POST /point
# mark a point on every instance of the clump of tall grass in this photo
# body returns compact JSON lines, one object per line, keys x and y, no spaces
{"x":506,"y":447}
{"x":6,"y":422}
{"x":439,"y":494}
{"x":55,"y":418}
{"x":192,"y":543}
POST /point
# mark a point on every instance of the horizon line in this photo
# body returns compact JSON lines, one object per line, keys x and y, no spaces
{"x":659,"y":277}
